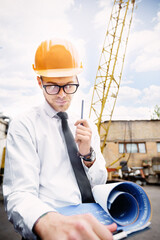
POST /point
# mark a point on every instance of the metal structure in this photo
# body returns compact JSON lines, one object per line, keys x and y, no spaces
{"x":4,"y":123}
{"x":110,"y":67}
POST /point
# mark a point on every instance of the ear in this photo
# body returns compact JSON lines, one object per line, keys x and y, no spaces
{"x":39,"y":81}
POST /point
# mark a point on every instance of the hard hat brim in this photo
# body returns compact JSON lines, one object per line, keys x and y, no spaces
{"x":59,"y":72}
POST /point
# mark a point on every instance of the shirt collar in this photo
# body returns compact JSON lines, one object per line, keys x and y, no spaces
{"x":49,"y":110}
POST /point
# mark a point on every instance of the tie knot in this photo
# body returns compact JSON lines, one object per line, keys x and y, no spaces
{"x":62,"y":115}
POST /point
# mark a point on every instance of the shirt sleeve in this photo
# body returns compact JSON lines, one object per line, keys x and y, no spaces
{"x":21,"y":180}
{"x":97,"y":173}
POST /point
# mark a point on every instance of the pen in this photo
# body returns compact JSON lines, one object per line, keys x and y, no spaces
{"x":120,"y":235}
{"x":82,"y":107}
{"x":123,"y":234}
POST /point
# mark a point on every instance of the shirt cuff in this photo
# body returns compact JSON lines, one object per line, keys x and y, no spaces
{"x":97,"y":173}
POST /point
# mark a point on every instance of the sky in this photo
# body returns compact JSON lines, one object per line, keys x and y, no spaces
{"x":25,"y":23}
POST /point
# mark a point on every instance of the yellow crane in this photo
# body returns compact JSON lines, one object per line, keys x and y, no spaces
{"x":109,"y":73}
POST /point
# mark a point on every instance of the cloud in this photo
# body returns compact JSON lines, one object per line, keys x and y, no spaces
{"x":21,"y":104}
{"x":136,"y":104}
{"x":14,"y":102}
{"x":128,"y":95}
{"x":126,"y":81}
{"x":147,"y":48}
{"x":81,"y":95}
{"x":146,"y":62}
{"x":131,"y":103}
{"x":24,"y":24}
{"x":151,"y":96}
{"x":103,"y":15}
{"x":19,"y":81}
{"x":16,"y":93}
{"x":157,"y":19}
{"x":131,"y":96}
{"x":34,"y":20}
{"x":132,"y":113}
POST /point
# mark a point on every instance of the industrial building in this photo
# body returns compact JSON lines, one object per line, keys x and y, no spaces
{"x":139,"y":140}
{"x":136,"y":142}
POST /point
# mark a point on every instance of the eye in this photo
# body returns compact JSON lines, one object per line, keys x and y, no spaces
{"x":52,"y":87}
{"x":68,"y":86}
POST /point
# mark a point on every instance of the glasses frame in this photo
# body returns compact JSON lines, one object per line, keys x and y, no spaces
{"x":60,"y":86}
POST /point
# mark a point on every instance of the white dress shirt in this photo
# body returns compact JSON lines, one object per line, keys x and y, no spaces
{"x":38,"y":174}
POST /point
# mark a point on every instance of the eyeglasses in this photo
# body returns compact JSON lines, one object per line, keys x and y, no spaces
{"x":69,"y":88}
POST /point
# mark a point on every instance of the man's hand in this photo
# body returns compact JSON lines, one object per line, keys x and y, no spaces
{"x":83,"y":136}
{"x":54,"y":226}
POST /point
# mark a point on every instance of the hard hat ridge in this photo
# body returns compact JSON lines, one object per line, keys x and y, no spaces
{"x":57,"y":58}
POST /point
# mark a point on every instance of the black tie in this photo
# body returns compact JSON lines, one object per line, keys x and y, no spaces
{"x":81,"y":177}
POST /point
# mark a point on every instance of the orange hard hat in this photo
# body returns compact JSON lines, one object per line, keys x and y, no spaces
{"x":57,"y":58}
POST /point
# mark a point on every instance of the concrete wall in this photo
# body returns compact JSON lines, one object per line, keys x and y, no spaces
{"x":139,"y":131}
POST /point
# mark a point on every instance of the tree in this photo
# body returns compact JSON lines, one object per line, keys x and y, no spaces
{"x":156,"y":112}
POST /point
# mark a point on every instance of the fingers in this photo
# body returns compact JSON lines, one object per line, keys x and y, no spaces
{"x":82,"y":121}
{"x":87,"y":227}
{"x":83,"y":136}
{"x":83,"y":133}
{"x":78,"y":227}
{"x":112,"y":227}
{"x":99,"y":229}
{"x":85,"y":231}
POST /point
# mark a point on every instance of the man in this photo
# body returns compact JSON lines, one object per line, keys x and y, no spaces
{"x":39,"y":175}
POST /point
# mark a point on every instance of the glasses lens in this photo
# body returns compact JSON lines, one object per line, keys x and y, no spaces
{"x":52,"y":89}
{"x":70,"y":88}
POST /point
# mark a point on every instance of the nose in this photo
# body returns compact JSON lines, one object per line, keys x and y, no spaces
{"x":61,"y":93}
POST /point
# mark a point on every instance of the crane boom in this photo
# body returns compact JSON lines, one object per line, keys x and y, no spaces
{"x":110,"y":67}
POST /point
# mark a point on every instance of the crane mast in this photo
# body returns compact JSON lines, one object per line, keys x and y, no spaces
{"x":110,"y":67}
